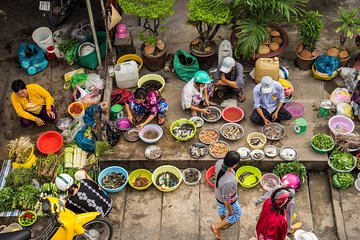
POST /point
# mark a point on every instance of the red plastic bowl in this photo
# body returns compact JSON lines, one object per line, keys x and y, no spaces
{"x":49,"y":142}
{"x":209,"y":172}
{"x":232,"y":114}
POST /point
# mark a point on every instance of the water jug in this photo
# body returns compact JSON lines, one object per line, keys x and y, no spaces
{"x":126,"y":74}
{"x":266,"y":67}
{"x":225,"y":50}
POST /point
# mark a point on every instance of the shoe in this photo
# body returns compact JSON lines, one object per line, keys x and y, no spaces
{"x":295,"y":227}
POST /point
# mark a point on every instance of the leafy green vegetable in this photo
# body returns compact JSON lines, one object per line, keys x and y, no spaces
{"x":24,"y":198}
{"x":67,"y":45}
{"x":101,"y":148}
{"x":342,"y":180}
{"x":322,"y":141}
{"x":290,"y":167}
{"x":342,"y":160}
{"x":19,"y":177}
{"x":6,"y":195}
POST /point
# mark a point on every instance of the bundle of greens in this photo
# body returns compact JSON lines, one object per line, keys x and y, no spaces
{"x":19,"y":177}
{"x":342,"y":180}
{"x":47,"y":167}
{"x":25,"y":198}
{"x":322,"y":141}
{"x":6,"y":196}
{"x":290,"y":167}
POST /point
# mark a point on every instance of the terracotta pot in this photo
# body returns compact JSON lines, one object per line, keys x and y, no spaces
{"x":357,"y":40}
{"x":305,"y":63}
{"x":345,"y":61}
{"x":154,"y":63}
{"x":281,"y":50}
{"x":205,"y":60}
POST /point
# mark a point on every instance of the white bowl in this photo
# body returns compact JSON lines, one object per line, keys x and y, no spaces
{"x":198,"y":121}
{"x":244,"y":152}
{"x":271,"y":151}
{"x":357,"y":184}
{"x":286,"y":151}
{"x":257,"y":151}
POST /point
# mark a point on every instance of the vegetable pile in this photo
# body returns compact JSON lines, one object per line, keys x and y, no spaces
{"x":342,"y":160}
{"x":322,"y":141}
{"x":290,"y":167}
{"x":342,"y":180}
{"x":20,"y":149}
{"x":19,"y":177}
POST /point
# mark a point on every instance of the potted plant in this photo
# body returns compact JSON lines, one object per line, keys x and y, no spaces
{"x":309,"y":28}
{"x":349,"y":24}
{"x":255,"y":29}
{"x":153,"y":12}
{"x":21,"y":152}
{"x":207,"y":18}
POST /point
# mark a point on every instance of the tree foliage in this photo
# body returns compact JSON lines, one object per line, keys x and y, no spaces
{"x":349,"y":24}
{"x":309,"y":29}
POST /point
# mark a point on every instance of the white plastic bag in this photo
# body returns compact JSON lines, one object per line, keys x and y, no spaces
{"x":75,"y":126}
{"x":340,"y":95}
{"x":344,"y":109}
{"x":94,"y":80}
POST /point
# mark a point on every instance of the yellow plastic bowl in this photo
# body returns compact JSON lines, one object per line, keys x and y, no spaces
{"x":76,"y":114}
{"x":181,"y":122}
{"x":258,"y":135}
{"x":323,"y":77}
{"x":152,"y":76}
{"x":163,"y":169}
{"x":129,"y":57}
{"x":31,"y":161}
{"x":143,"y":173}
{"x":251,"y":180}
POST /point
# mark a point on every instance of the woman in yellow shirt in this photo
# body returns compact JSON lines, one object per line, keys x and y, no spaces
{"x":32,"y":103}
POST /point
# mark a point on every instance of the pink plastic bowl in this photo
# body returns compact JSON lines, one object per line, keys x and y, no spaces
{"x":49,"y":142}
{"x":123,"y":124}
{"x":296,"y":109}
{"x":340,"y":124}
{"x":232,"y":114}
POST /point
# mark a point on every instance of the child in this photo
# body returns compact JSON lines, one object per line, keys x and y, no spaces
{"x":143,"y":102}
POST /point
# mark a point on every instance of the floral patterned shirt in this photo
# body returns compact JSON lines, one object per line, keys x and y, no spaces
{"x":151,"y":101}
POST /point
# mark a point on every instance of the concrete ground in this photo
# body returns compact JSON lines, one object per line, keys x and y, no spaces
{"x":188,"y":212}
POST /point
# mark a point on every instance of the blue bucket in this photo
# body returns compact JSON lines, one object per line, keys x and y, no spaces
{"x":111,"y":169}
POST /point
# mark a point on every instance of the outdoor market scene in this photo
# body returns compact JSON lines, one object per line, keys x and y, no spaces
{"x":173,"y":119}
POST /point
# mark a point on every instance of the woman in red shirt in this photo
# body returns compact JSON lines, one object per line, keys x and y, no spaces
{"x":272,"y":224}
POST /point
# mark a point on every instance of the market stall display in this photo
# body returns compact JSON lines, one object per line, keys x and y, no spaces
{"x":257,"y":154}
{"x":21,"y":152}
{"x":244,"y":152}
{"x":271,"y":151}
{"x":113,"y":179}
{"x":339,"y":124}
{"x":167,"y":178}
{"x":288,"y":153}
{"x":232,"y":114}
{"x":191,"y":176}
{"x":213,"y":116}
{"x":140,"y":179}
{"x":232,"y":131}
{"x":198,"y":121}
{"x":248,"y":176}
{"x":153,"y":152}
{"x":27,"y":218}
{"x":132,"y":135}
{"x":49,"y":142}
{"x":322,"y":143}
{"x":209,"y":135}
{"x":219,"y":149}
{"x":256,"y":140}
{"x":183,"y":129}
{"x":342,"y":180}
{"x":198,"y":150}
{"x":341,"y":162}
{"x":151,"y":133}
{"x":274,"y":131}
{"x":269,"y":181}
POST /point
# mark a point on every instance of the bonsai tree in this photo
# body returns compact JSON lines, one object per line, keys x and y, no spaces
{"x":207,"y":18}
{"x":309,"y":28}
{"x":254,"y":16}
{"x":349,"y":24}
{"x":154,"y":12}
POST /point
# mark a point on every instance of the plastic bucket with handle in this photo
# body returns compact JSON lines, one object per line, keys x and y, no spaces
{"x":43,"y":37}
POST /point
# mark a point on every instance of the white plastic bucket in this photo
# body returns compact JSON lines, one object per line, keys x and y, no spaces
{"x":43,"y":38}
{"x":126,"y":74}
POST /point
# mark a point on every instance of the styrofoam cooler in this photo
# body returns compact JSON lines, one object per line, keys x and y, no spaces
{"x":126,"y":74}
{"x":43,"y":37}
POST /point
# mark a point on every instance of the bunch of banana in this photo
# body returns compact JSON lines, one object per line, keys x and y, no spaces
{"x":49,"y":188}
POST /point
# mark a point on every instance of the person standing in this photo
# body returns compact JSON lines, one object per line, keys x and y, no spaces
{"x":269,"y":98}
{"x":33,"y":104}
{"x":272,"y":223}
{"x":230,"y":76}
{"x":195,"y":92}
{"x":226,"y":191}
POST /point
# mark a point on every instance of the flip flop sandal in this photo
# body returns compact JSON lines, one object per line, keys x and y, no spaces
{"x":211,"y":227}
{"x":295,"y":227}
{"x":226,"y":227}
{"x":161,"y":120}
{"x":241,"y":97}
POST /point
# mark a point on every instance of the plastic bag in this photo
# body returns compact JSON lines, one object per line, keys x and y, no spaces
{"x":228,"y":103}
{"x":78,"y":79}
{"x":344,"y":109}
{"x":185,"y":65}
{"x":94,"y":80}
{"x":71,"y":56}
{"x":81,"y":31}
{"x":69,"y":75}
{"x":327,"y":64}
{"x":31,"y":58}
{"x":91,"y":98}
{"x":340,"y":95}
{"x":349,"y":76}
{"x":75,"y":126}
{"x":86,"y":144}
